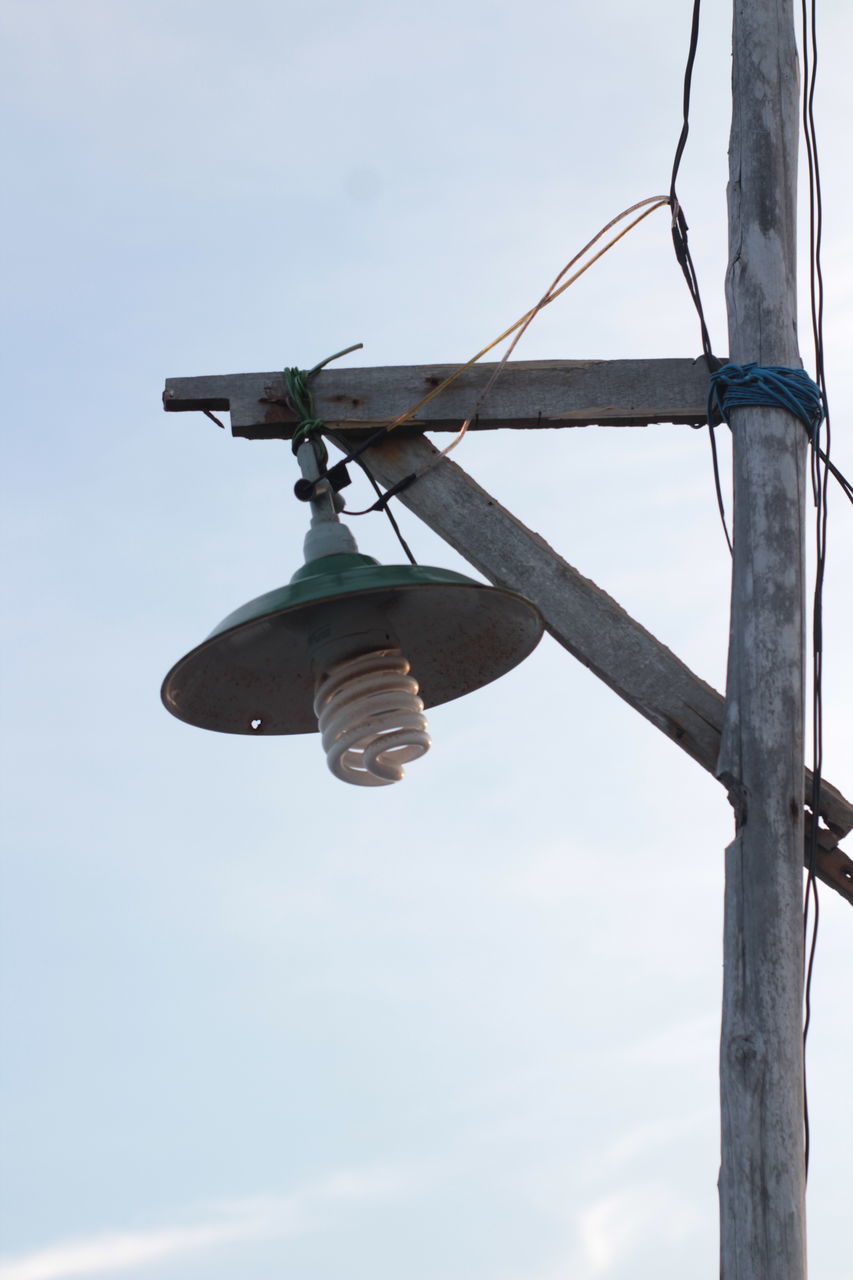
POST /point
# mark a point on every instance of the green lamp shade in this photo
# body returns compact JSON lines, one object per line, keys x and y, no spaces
{"x":256,"y":672}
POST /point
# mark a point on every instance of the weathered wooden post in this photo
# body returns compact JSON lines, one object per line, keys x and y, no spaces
{"x":762,"y":1177}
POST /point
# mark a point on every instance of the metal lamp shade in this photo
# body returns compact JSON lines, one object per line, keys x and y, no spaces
{"x":256,"y":672}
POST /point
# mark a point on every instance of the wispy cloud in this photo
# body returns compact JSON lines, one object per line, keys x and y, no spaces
{"x":120,"y":1251}
{"x":264,"y":1217}
{"x":609,"y":1233}
{"x":615,"y":1226}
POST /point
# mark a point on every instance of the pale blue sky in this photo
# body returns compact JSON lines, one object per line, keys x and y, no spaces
{"x":255,"y":1022}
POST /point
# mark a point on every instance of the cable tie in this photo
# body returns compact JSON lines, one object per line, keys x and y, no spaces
{"x":298,"y":397}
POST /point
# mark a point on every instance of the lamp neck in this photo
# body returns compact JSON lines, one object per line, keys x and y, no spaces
{"x":326,"y":536}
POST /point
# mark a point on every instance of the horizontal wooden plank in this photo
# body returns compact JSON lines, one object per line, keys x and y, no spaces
{"x":528,"y":394}
{"x":585,"y":620}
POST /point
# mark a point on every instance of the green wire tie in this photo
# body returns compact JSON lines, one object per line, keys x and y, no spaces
{"x":309,"y":427}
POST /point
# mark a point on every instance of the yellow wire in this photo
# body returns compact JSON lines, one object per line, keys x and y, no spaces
{"x":656,"y":202}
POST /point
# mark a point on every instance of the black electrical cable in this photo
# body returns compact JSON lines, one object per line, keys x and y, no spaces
{"x":382,"y":505}
{"x":679,"y":222}
{"x":718,"y":487}
{"x":685,"y":258}
{"x":846,"y":486}
{"x":821,"y":467}
{"x":383,"y":498}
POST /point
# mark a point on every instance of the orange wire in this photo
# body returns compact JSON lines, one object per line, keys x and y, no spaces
{"x":522,"y":324}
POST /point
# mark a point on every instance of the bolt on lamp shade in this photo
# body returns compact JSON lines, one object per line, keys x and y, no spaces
{"x":256,"y":672}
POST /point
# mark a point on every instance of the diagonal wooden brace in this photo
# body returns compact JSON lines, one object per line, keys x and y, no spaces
{"x":586,"y":621}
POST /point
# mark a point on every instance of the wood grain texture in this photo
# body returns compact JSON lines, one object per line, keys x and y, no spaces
{"x":528,"y":394}
{"x":762,"y":1179}
{"x":583,"y":619}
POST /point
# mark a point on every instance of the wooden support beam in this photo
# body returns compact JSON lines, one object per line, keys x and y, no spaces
{"x":583,"y":619}
{"x":528,"y":394}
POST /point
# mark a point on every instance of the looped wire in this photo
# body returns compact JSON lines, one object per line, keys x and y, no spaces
{"x":299,"y":397}
{"x":735,"y":385}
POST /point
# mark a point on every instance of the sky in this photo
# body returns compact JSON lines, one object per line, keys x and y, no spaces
{"x":256,"y":1022}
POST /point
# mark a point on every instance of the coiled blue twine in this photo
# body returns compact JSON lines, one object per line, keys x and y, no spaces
{"x":734,"y":385}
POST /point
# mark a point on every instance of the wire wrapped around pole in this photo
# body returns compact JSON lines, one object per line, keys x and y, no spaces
{"x":736,"y":385}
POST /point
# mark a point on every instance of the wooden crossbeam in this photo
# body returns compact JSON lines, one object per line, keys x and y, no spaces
{"x":527,"y":394}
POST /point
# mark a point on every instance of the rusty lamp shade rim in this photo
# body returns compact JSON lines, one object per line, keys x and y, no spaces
{"x":255,"y":672}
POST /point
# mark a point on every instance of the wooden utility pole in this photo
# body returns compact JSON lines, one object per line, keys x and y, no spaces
{"x":762,"y":1176}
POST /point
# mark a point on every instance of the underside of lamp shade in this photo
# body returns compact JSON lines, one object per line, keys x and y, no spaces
{"x":256,"y":672}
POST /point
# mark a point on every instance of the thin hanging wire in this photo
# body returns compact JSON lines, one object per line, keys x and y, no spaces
{"x":685,"y":259}
{"x":555,"y":289}
{"x":821,"y":468}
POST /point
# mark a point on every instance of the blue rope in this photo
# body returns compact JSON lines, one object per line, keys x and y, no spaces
{"x":735,"y":385}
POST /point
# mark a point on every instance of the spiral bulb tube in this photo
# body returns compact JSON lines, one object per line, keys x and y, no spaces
{"x":371,"y":718}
